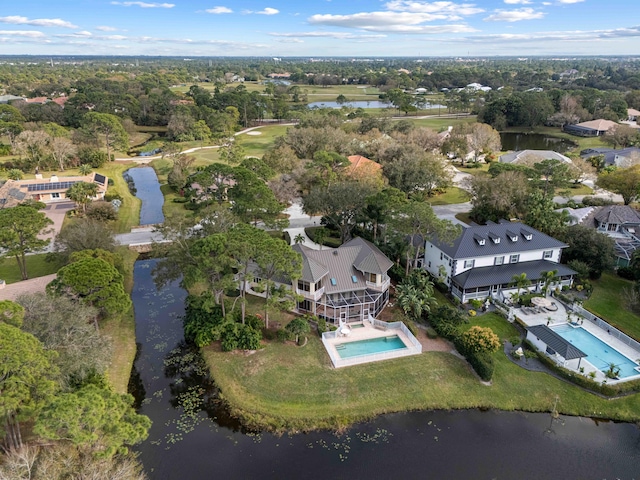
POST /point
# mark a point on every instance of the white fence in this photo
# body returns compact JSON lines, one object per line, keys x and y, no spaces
{"x":614,"y":332}
{"x":414,"y":348}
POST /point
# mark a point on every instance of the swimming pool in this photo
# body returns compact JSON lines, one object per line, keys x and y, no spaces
{"x":600,"y":354}
{"x":369,"y":346}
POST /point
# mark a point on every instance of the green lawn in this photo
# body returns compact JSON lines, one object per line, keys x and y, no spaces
{"x":285,"y":387}
{"x":608,"y":302}
{"x":451,"y":196}
{"x":441,"y":123}
{"x":256,"y":145}
{"x":36,"y":267}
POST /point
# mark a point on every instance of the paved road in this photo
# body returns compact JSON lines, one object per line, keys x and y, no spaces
{"x":33,"y":285}
{"x":139,"y":236}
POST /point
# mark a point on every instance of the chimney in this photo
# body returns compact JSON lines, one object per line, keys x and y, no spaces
{"x":54,"y":178}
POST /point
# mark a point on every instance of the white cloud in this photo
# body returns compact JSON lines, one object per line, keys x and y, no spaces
{"x":144,"y":4}
{"x":570,"y":1}
{"x":38,"y":22}
{"x":339,"y":35}
{"x":218,"y":10}
{"x":451,"y":8}
{"x":22,"y":33}
{"x":514,"y":15}
{"x":105,"y":28}
{"x":266,"y":11}
{"x":564,"y":36}
{"x":517,"y":2}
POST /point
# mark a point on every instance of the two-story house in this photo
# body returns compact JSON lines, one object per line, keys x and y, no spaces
{"x":345,"y":284}
{"x":483,"y":260}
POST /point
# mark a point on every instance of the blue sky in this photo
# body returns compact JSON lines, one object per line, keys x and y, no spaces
{"x":371,"y":28}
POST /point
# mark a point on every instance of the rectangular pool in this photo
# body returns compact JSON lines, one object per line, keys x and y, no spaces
{"x":367,"y":347}
{"x":599,"y":353}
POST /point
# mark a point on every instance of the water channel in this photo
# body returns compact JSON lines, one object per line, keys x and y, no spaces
{"x":147,"y":189}
{"x":368,"y":104}
{"x":193,"y":438}
{"x":534,"y":141}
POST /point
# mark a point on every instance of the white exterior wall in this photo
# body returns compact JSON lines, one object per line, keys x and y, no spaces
{"x":432,"y":260}
{"x":539,"y":344}
{"x":489,"y":261}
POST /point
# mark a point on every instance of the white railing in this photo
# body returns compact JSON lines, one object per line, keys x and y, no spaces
{"x":382,"y":287}
{"x":311,"y":296}
{"x":611,"y":330}
{"x":414,"y":348}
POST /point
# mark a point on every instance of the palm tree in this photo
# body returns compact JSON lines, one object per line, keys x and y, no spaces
{"x":548,"y":278}
{"x":321,"y":235}
{"x":82,"y":193}
{"x":84,"y":169}
{"x":520,"y":281}
{"x":299,"y":238}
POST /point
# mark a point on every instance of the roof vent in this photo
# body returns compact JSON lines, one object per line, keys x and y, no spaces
{"x":54,"y":178}
{"x":335,"y":252}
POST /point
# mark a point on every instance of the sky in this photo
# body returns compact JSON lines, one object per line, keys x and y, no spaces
{"x":316,"y":28}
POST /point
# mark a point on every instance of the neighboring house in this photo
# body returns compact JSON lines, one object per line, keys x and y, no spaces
{"x":9,"y":98}
{"x":533,"y":156}
{"x":632,"y":115}
{"x":483,"y":260}
{"x":622,"y":224}
{"x":593,"y":128}
{"x":347,"y":283}
{"x":37,"y":100}
{"x":620,"y":158}
{"x":52,"y":190}
{"x":363,"y":167}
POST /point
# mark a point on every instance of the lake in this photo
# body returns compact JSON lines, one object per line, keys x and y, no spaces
{"x":534,"y":141}
{"x":148,"y":191}
{"x":194,"y":438}
{"x":366,"y":104}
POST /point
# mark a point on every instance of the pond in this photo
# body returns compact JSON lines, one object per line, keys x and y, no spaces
{"x":147,"y":188}
{"x":193,"y":437}
{"x":365,"y":104}
{"x":534,"y":141}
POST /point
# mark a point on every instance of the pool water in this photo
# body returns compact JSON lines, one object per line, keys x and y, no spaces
{"x":598,"y":352}
{"x":367,"y":347}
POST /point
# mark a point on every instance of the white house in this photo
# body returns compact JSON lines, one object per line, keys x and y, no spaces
{"x":483,"y":260}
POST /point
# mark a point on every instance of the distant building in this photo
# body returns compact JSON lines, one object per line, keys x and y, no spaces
{"x":593,"y":128}
{"x":618,"y":157}
{"x":533,"y":156}
{"x":9,"y":98}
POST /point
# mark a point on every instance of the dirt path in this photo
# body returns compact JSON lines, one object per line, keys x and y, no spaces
{"x":33,"y":285}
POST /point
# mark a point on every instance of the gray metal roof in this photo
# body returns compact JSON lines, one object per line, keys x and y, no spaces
{"x":466,"y":246}
{"x":618,"y":214}
{"x":501,"y":274}
{"x":344,"y":264}
{"x":538,"y":155}
{"x":556,"y":342}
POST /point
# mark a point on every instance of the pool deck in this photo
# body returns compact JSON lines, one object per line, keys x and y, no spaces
{"x":560,"y":318}
{"x":368,"y":332}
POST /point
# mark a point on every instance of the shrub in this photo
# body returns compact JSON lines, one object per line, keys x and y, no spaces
{"x":15,"y":174}
{"x":110,"y":196}
{"x":322,"y":326}
{"x":476,"y":303}
{"x":515,"y":340}
{"x":626,"y":273}
{"x":102,"y":211}
{"x":472,"y":313}
{"x":282,"y":335}
{"x":92,"y":156}
{"x":431,"y":333}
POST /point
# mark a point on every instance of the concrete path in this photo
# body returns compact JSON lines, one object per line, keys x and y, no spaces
{"x":33,"y":285}
{"x":294,"y":232}
{"x":139,"y":236}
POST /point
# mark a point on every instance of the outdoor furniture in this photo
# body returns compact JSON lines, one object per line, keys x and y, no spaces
{"x":553,"y":307}
{"x":541,"y":302}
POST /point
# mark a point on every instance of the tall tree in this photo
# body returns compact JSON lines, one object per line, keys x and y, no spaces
{"x":85,"y":234}
{"x":109,"y":126}
{"x":32,"y":144}
{"x":19,"y":230}
{"x":623,"y":181}
{"x":61,"y":150}
{"x":26,"y":380}
{"x":483,"y":139}
{"x":589,"y":246}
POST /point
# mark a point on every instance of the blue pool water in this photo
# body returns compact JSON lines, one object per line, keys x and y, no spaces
{"x":598,"y":352}
{"x":366,"y":347}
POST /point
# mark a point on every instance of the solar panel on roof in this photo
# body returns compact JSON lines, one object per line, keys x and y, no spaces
{"x":101,"y":179}
{"x":43,"y":187}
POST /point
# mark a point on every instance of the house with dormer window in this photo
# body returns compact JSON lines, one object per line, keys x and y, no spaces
{"x":483,"y":260}
{"x":344,"y":284}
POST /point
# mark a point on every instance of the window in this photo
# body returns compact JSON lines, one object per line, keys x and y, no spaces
{"x":55,"y":195}
{"x":440,"y":255}
{"x":372,"y":278}
{"x":514,"y":258}
{"x":547,"y":254}
{"x":499,"y":260}
{"x":334,"y":282}
{"x":469,"y":263}
{"x":304,"y":286}
{"x":354,"y":279}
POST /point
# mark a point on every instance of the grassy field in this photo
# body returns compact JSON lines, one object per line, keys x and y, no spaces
{"x":129,"y":213}
{"x":441,"y":123}
{"x":122,"y":331}
{"x":256,"y":145}
{"x":451,"y":196}
{"x":285,"y":387}
{"x":608,"y":302}
{"x":37,"y":266}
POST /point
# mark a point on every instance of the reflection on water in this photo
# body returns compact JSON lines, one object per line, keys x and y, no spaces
{"x":192,"y":436}
{"x":147,"y":189}
{"x":534,"y":141}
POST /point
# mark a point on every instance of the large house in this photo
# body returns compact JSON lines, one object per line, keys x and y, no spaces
{"x":345,"y":284}
{"x":592,"y":128}
{"x":483,"y":260}
{"x":621,"y":157}
{"x":51,"y":190}
{"x":533,"y":156}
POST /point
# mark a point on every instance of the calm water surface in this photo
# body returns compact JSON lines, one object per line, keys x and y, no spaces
{"x":364,"y":104}
{"x":534,"y":141}
{"x":148,"y":191}
{"x":193,"y":438}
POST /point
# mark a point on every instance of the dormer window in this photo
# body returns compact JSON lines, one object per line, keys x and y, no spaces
{"x":494,"y":238}
{"x":527,"y":235}
{"x":479,"y":240}
{"x":512,"y":236}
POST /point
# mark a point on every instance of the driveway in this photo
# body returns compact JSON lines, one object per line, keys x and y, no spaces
{"x":56,"y":212}
{"x":33,"y":285}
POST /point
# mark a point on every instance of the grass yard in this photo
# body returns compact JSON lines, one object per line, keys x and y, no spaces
{"x":256,"y":145}
{"x":122,"y":331}
{"x":453,"y":195}
{"x":579,"y":189}
{"x":608,"y":302}
{"x":464,"y":217}
{"x":441,"y":123}
{"x":129,"y":213}
{"x":37,"y":266}
{"x":285,"y":387}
